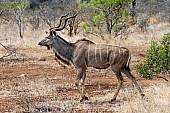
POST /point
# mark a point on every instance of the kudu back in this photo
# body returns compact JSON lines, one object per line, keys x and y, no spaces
{"x":84,"y":53}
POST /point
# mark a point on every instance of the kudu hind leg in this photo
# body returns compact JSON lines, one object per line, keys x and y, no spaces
{"x":120,"y":83}
{"x":80,"y":83}
{"x":131,"y":77}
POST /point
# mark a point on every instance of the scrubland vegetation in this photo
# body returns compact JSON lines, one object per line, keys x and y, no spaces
{"x":32,"y":81}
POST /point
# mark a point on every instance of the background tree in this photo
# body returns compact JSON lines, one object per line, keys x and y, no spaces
{"x":146,"y":9}
{"x":17,"y":10}
{"x":84,"y":11}
{"x":72,"y":8}
{"x":112,"y":14}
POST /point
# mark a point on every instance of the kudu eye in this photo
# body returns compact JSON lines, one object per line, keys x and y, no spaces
{"x":46,"y":32}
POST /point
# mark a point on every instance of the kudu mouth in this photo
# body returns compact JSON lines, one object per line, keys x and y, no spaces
{"x":41,"y":44}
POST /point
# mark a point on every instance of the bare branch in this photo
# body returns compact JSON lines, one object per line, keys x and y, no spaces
{"x":12,"y":51}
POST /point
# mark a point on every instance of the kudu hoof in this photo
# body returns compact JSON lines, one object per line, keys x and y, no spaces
{"x":84,"y":98}
{"x":112,"y":101}
{"x":142,"y":95}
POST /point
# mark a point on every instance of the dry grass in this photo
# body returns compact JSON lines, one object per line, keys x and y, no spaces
{"x":31,"y":38}
{"x":23,"y":94}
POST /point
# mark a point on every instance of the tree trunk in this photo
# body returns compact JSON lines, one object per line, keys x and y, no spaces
{"x":19,"y":22}
{"x":109,"y":28}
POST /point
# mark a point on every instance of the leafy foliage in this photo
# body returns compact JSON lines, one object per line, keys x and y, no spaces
{"x":13,"y":6}
{"x":85,"y":26}
{"x":111,"y":13}
{"x":17,"y":10}
{"x":157,"y":58}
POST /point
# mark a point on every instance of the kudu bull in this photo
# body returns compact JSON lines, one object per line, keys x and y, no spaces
{"x":84,"y":53}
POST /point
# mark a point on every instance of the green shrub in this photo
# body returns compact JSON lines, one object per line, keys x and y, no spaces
{"x":12,"y":6}
{"x":85,"y":26}
{"x":157,"y":59}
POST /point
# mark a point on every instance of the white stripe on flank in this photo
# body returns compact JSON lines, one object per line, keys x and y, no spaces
{"x":89,"y":53}
{"x":100,"y":52}
{"x":95,"y":53}
{"x":107,"y":53}
{"x":122,"y":50}
{"x":127,"y":64}
{"x":119,"y":49}
{"x":114,"y":52}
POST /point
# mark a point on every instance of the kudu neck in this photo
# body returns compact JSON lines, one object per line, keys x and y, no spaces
{"x":63,"y":49}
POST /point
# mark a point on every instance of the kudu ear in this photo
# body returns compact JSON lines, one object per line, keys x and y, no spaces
{"x":54,"y":33}
{"x":51,"y":33}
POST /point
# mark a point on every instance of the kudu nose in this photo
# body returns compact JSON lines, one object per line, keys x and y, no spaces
{"x":40,"y":43}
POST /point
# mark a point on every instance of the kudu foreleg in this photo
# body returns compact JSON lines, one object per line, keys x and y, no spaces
{"x":80,"y":83}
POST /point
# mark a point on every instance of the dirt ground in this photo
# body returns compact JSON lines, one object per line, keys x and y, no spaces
{"x":32,"y":81}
